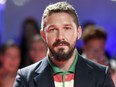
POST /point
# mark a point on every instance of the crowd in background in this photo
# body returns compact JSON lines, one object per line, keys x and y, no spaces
{"x":32,"y":49}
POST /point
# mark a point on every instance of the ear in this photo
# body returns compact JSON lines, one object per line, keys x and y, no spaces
{"x":43,"y":34}
{"x":79,"y":32}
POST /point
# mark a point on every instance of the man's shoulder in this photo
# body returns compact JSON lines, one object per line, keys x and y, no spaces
{"x":95,"y":72}
{"x":30,"y":70}
{"x":98,"y":68}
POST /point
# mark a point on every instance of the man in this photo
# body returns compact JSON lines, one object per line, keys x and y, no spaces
{"x":0,"y":56}
{"x":94,"y":41}
{"x":63,"y":67}
{"x":38,"y":50}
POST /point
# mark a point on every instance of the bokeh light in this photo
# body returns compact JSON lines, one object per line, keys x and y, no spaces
{"x":2,"y":2}
{"x":20,"y":2}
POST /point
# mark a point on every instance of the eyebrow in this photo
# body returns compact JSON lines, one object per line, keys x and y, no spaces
{"x":51,"y":26}
{"x":56,"y":26}
{"x":67,"y":24}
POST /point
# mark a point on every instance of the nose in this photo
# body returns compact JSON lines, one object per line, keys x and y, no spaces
{"x":60,"y":35}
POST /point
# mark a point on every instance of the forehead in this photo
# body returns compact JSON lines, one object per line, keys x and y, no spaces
{"x":61,"y":18}
{"x":40,"y":42}
{"x":12,"y":49}
{"x":59,"y":14}
{"x":96,"y":43}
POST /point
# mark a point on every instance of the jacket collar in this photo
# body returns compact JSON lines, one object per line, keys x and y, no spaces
{"x":43,"y":65}
{"x":83,"y":73}
{"x":44,"y":77}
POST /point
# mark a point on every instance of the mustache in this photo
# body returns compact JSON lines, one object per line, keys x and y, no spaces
{"x":60,"y":42}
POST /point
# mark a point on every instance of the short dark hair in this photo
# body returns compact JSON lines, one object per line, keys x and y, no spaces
{"x":59,"y":7}
{"x":6,"y":46}
{"x":1,"y":49}
{"x":94,"y":33}
{"x":31,"y":21}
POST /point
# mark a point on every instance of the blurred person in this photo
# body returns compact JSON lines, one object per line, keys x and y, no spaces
{"x":113,"y":70}
{"x":94,"y":40}
{"x":0,"y":56}
{"x":63,"y":66}
{"x":29,"y":29}
{"x":10,"y":65}
{"x":89,"y":24}
{"x":38,"y":50}
{"x":0,"y":64}
{"x":86,"y":25}
{"x":114,"y":77}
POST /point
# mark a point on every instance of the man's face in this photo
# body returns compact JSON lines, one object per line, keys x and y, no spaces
{"x":29,"y":32}
{"x":95,"y":50}
{"x":38,"y":51}
{"x":11,"y":59}
{"x":61,"y":35}
{"x":0,"y":59}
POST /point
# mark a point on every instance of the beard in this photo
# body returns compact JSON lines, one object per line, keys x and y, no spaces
{"x":61,"y":55}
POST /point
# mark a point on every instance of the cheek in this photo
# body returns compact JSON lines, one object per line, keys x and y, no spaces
{"x":32,"y":53}
{"x":72,"y":35}
{"x":72,"y":39}
{"x":6,"y":58}
{"x":50,"y":40}
{"x":6,"y":63}
{"x":17,"y":62}
{"x":9,"y":62}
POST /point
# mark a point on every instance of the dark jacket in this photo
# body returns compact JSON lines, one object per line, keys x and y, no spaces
{"x":87,"y":74}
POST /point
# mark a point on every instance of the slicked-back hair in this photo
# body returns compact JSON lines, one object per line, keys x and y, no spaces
{"x":7,"y":46}
{"x":94,"y":33}
{"x":59,"y":7}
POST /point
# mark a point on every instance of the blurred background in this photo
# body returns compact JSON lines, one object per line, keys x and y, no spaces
{"x":14,"y":12}
{"x":18,"y":16}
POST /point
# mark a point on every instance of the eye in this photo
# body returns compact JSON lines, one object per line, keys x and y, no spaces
{"x":52,"y":29}
{"x":67,"y":28}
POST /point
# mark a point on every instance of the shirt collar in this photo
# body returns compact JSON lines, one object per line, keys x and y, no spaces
{"x":58,"y":70}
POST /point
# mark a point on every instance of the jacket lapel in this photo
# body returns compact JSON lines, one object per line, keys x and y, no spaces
{"x":44,"y":77}
{"x":82,"y":73}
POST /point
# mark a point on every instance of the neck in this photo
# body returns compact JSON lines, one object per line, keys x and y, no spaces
{"x":64,"y":65}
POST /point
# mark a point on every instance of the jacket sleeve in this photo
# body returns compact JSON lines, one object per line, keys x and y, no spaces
{"x":108,"y":82}
{"x":20,"y":80}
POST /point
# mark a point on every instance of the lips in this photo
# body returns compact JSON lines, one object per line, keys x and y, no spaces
{"x":60,"y":45}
